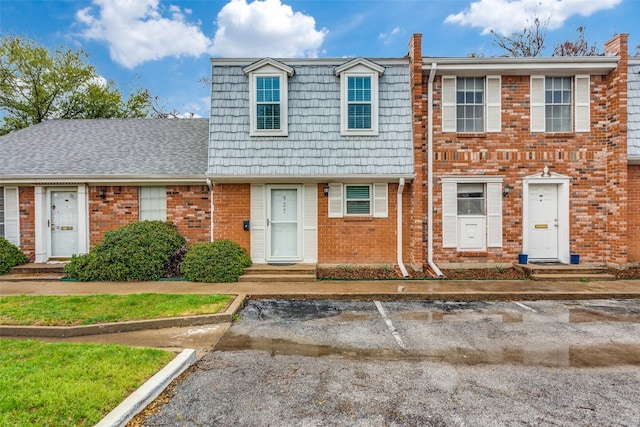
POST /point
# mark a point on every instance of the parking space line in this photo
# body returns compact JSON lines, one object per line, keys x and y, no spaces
{"x":392,"y":328}
{"x":525,"y":306}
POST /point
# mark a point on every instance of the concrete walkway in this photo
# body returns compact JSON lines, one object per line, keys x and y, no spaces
{"x":460,"y":290}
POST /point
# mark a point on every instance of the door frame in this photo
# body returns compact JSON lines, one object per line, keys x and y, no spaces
{"x":299,"y":217}
{"x":563,"y":183}
{"x":42,"y":201}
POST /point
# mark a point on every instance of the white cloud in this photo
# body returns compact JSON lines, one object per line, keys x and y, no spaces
{"x":508,"y":16}
{"x":388,"y":37}
{"x":265,"y":28}
{"x":136,"y":31}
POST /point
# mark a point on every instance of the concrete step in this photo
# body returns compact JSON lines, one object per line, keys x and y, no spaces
{"x":270,"y":278}
{"x":37,"y":268}
{"x":32,"y":277}
{"x":572,"y":277}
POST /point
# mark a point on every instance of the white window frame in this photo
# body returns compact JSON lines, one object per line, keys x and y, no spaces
{"x":493,"y":210}
{"x":347,"y":200}
{"x":269,"y":68}
{"x":157,"y":195}
{"x":359,"y":68}
{"x":492,"y":102}
{"x":378,"y":200}
{"x":580,"y":100}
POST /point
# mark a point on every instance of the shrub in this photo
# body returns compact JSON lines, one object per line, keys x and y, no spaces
{"x":216,"y":262}
{"x":10,"y":256}
{"x":138,"y":251}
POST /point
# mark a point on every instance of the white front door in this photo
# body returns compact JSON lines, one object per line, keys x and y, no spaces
{"x":283,"y":224}
{"x":543,"y":221}
{"x":63,"y":223}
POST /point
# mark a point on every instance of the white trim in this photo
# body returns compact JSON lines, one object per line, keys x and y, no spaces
{"x":42,"y":229}
{"x":563,"y":182}
{"x":258,"y":223}
{"x":310,"y":223}
{"x":268,"y":70}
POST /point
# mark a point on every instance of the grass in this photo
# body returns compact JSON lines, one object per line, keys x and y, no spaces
{"x":69,"y":384}
{"x":92,"y":309}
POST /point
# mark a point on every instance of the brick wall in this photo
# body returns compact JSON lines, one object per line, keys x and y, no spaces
{"x":595,"y":162}
{"x":120,"y":207}
{"x":231,"y":206}
{"x":362,"y":240}
{"x":633,"y":207}
{"x":189,"y":208}
{"x":26,"y":198}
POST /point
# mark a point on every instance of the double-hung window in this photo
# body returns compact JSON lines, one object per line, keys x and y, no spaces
{"x":268,"y":97}
{"x":357,"y":199}
{"x":560,"y":104}
{"x":153,"y":203}
{"x":359,"y":80}
{"x":471,"y":104}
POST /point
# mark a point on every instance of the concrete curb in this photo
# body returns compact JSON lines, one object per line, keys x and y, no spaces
{"x":111,"y":328}
{"x":139,"y":399}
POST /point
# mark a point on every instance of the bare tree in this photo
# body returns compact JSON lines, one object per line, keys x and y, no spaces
{"x":580,"y":47}
{"x":528,"y":43}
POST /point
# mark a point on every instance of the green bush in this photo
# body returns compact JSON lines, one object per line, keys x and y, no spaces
{"x":216,"y":262}
{"x":138,"y":251}
{"x":10,"y":256}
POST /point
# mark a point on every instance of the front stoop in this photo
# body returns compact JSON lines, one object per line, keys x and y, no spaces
{"x":566,"y":273}
{"x":36,"y":271}
{"x":279,"y":273}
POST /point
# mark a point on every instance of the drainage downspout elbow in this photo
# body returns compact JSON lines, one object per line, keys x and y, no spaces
{"x":401,"y":266}
{"x":434,"y":267}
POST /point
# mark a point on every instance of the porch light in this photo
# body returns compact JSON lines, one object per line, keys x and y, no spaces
{"x":507,"y":189}
{"x":102,"y":193}
{"x":326,"y":190}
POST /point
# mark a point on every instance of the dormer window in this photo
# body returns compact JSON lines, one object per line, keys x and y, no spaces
{"x":359,"y":97}
{"x":268,"y":97}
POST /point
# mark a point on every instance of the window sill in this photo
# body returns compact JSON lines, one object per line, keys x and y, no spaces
{"x":559,"y":134}
{"x":466,"y":135}
{"x":475,"y":254}
{"x":357,"y":218}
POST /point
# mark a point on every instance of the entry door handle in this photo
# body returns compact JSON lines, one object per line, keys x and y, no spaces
{"x":268,"y":222}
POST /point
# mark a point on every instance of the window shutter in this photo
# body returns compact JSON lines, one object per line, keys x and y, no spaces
{"x":494,"y":104}
{"x":537,"y":104}
{"x":449,"y":104}
{"x":380,"y":203}
{"x":12,"y":216}
{"x":258,"y":215}
{"x":449,"y":214}
{"x":582,"y":99}
{"x":153,"y":203}
{"x":335,"y":201}
{"x":494,"y":215}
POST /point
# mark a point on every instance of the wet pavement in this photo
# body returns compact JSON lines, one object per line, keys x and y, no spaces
{"x":418,"y":363}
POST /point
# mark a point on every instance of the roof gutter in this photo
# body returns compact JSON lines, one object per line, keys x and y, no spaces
{"x":403,"y":269}
{"x":434,"y":267}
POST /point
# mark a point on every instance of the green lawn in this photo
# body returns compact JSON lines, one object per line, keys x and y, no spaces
{"x":92,"y":309}
{"x":69,"y":384}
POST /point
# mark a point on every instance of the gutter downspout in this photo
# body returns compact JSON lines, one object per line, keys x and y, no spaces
{"x":403,"y":269}
{"x":434,"y":267}
{"x":210,"y":184}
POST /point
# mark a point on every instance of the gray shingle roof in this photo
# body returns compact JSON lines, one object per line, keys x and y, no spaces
{"x":107,"y":148}
{"x":314,"y":146}
{"x":633,"y":107}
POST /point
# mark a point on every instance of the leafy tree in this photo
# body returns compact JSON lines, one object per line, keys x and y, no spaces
{"x":37,"y":84}
{"x":580,"y":47}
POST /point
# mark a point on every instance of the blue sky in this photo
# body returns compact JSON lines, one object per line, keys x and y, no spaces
{"x":165,"y":46}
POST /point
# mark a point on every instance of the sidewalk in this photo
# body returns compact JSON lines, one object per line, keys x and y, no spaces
{"x":459,"y":290}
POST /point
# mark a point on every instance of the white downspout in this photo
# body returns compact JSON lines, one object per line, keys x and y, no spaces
{"x":403,"y":269}
{"x":210,"y":185}
{"x":434,"y":267}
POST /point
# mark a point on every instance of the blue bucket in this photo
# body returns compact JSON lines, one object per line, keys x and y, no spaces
{"x":523,"y":258}
{"x":575,"y":259}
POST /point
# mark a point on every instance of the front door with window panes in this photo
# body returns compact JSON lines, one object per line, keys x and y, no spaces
{"x":283,"y":224}
{"x":471,"y":216}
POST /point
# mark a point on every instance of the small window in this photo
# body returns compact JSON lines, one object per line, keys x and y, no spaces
{"x":153,"y":203}
{"x":2,"y":209}
{"x":558,"y":108}
{"x":471,"y":199}
{"x":359,"y":100}
{"x":268,"y":103}
{"x":358,"y":199}
{"x":470,"y":104}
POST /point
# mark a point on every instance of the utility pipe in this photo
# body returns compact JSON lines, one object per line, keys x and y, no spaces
{"x":403,"y":269}
{"x":434,"y":267}
{"x":210,"y":185}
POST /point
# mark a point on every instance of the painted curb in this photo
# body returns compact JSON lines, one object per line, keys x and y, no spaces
{"x":139,"y":399}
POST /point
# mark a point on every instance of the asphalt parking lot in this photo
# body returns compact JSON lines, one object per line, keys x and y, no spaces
{"x":417,"y":363}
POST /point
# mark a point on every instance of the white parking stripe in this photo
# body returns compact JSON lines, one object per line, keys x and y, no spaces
{"x":395,"y":333}
{"x":525,"y":306}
